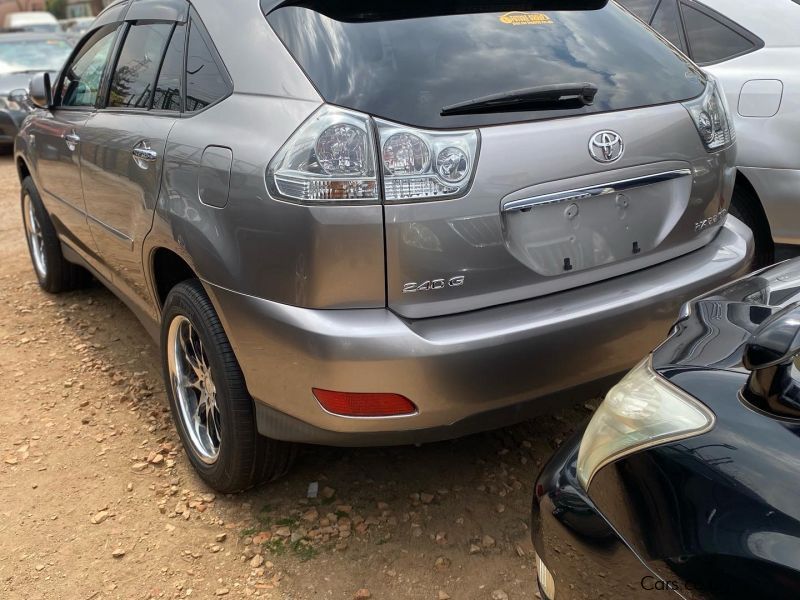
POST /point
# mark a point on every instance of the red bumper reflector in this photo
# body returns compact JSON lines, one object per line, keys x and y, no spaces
{"x":351,"y":404}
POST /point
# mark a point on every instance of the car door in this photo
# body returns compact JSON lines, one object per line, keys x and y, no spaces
{"x":123,"y":146}
{"x":56,"y":137}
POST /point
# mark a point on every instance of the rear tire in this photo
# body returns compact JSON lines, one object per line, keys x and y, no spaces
{"x":212,"y":409}
{"x":54,"y":273}
{"x":746,"y":207}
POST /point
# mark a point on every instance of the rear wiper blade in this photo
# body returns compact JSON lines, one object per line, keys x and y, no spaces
{"x":545,"y":97}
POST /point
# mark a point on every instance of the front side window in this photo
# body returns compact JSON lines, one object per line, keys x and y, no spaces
{"x":83,"y":77}
{"x":710,"y":40}
{"x":205,"y":81}
{"x":137,"y":68}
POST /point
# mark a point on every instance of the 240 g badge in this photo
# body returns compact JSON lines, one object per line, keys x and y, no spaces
{"x":433,"y":284}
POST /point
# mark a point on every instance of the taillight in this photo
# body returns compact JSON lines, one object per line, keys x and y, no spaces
{"x":711,"y":116}
{"x":426,"y":165}
{"x":332,"y":158}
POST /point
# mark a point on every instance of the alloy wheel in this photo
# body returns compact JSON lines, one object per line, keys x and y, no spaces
{"x":194,"y":389}
{"x":35,"y":237}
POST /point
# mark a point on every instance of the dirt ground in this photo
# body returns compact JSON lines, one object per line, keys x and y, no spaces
{"x":97,"y":500}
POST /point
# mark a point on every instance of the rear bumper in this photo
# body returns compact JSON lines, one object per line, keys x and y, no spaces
{"x":466,"y":372}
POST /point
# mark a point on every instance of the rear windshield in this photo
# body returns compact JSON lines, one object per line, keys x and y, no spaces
{"x":408,"y":68}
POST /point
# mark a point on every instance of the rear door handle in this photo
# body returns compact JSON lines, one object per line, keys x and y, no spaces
{"x":146,"y":155}
{"x":72,"y":140}
{"x":143,"y":155}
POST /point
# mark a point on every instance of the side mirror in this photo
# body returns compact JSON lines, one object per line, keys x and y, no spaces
{"x":40,"y":90}
{"x":770,"y":354}
{"x":19,"y":96}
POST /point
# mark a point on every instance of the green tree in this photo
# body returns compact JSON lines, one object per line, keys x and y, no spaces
{"x":58,"y":8}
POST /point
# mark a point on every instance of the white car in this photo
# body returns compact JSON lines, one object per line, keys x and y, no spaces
{"x":753,"y":49}
{"x":32,"y":21}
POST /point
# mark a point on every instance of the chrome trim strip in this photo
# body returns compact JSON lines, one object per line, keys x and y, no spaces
{"x":65,"y":202}
{"x":603,"y":189}
{"x":114,"y":232}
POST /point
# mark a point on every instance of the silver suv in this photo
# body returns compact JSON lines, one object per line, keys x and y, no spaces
{"x":375,"y":222}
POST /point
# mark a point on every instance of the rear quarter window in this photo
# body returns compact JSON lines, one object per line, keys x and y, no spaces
{"x":643,"y":9}
{"x":711,"y":40}
{"x":407,"y":69}
{"x":206,"y":80}
{"x":667,"y":21}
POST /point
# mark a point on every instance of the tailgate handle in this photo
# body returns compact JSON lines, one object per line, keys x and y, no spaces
{"x":603,"y":189}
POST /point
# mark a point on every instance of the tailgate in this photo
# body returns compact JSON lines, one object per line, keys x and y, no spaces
{"x":544,"y":216}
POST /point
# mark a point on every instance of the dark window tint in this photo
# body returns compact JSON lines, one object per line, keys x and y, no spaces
{"x":408,"y":69}
{"x":667,"y":21}
{"x":641,"y":8}
{"x":138,"y":64}
{"x":205,"y":81}
{"x":710,"y":40}
{"x":170,"y":81}
{"x":82,"y":78}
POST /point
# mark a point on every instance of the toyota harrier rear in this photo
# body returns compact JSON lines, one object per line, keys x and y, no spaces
{"x":381,"y":222}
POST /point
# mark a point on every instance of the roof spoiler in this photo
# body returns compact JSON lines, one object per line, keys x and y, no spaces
{"x":377,"y":10}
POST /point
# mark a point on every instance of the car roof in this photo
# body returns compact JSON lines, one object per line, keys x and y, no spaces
{"x":774,"y":21}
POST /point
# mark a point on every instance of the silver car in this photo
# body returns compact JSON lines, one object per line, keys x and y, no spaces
{"x":370,"y":222}
{"x":753,"y":51}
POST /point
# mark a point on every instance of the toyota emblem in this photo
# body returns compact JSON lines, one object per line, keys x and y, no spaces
{"x":606,"y":146}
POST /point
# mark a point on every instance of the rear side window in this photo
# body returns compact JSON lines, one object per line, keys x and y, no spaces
{"x":407,"y":67}
{"x":206,"y":82}
{"x":641,"y":8}
{"x":712,"y":41}
{"x":135,"y":75}
{"x":84,"y":75}
{"x":667,"y":21}
{"x":170,"y":80}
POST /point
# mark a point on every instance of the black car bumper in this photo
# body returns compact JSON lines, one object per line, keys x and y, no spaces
{"x":9,"y":126}
{"x":663,"y":523}
{"x":586,"y":557}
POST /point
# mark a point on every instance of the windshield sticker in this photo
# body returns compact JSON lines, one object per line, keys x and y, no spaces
{"x":525,"y":18}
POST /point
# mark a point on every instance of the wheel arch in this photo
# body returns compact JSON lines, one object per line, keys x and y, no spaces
{"x":748,"y":206}
{"x":23,"y":170}
{"x":744,"y":183}
{"x":168,"y":269}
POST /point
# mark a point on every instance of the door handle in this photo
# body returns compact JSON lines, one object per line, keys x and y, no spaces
{"x":72,"y":140}
{"x":146,"y":155}
{"x":143,"y":155}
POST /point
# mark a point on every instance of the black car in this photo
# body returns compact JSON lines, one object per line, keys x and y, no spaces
{"x":21,"y":56}
{"x":686,"y":481}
